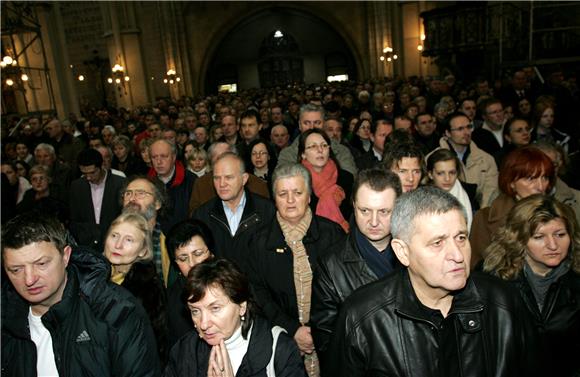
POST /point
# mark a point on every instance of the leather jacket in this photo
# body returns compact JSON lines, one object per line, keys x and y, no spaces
{"x":336,"y":276}
{"x":384,"y":330}
{"x":558,"y":324}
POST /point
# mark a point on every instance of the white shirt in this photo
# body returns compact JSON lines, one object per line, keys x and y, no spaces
{"x":234,"y":217}
{"x":237,"y":347}
{"x":97,"y":192}
{"x":45,"y":364}
{"x":497,"y":134}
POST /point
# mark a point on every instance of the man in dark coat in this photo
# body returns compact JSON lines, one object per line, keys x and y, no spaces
{"x":236,"y":214}
{"x":94,"y":200}
{"x":364,"y":257}
{"x":61,"y":315}
{"x":177,"y":179}
{"x":432,"y":318}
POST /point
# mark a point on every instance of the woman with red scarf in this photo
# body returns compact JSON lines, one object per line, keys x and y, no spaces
{"x":331,"y":185}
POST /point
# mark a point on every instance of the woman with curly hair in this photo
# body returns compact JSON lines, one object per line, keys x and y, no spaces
{"x":538,"y":251}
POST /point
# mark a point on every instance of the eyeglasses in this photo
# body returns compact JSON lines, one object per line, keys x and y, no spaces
{"x":260,"y":153}
{"x":463,"y":128}
{"x":312,"y":147}
{"x":139,"y":194}
{"x":189,"y":257}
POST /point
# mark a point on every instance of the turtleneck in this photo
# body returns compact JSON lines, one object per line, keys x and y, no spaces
{"x":237,"y":347}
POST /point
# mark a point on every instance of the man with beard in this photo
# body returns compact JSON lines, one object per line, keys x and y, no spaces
{"x":148,"y":197}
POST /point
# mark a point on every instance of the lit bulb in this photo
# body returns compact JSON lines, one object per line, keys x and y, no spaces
{"x":395,"y":57}
{"x":126,"y":78}
{"x":2,"y":64}
{"x":81,"y":78}
{"x":9,"y":82}
{"x":24,"y":77}
{"x":389,"y":49}
{"x":171,"y":81}
{"x":420,"y":47}
{"x":389,"y":59}
{"x":385,"y":49}
{"x":382,"y":58}
{"x":110,"y":80}
{"x":118,"y":81}
{"x":422,"y":37}
{"x":152,"y":78}
{"x":165,"y":81}
{"x":14,"y":62}
{"x":178,"y":79}
{"x":7,"y":60}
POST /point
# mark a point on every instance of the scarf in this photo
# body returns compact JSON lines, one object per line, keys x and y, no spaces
{"x":381,"y":262}
{"x":329,"y":194}
{"x":541,"y":284}
{"x":293,"y":236}
{"x":178,"y":177}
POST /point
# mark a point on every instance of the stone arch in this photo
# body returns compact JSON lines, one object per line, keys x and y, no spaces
{"x":232,"y":20}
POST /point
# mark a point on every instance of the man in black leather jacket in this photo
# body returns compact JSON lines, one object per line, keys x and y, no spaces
{"x":61,"y":314}
{"x":433,"y":318}
{"x":364,"y":257}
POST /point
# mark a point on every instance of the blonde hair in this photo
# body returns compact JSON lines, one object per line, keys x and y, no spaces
{"x":506,"y":254}
{"x":199,"y":152}
{"x":139,"y":222}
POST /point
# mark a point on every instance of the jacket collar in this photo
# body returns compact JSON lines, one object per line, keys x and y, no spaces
{"x":218,"y":208}
{"x":465,"y":301}
{"x":178,"y":175}
{"x":500,"y":208}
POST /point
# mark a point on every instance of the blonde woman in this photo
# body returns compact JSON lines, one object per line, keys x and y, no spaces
{"x":129,"y":249}
{"x":538,"y":251}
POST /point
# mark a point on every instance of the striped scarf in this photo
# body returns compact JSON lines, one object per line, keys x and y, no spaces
{"x":293,"y":236}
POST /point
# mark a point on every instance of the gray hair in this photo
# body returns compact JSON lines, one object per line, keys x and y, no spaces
{"x":311,"y":108}
{"x":109,"y":128}
{"x":292,"y":170}
{"x":45,"y":147}
{"x":422,"y":201}
{"x":173,"y":146}
{"x":235,"y":157}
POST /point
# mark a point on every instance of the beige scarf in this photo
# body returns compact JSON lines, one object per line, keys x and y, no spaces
{"x":293,"y":236}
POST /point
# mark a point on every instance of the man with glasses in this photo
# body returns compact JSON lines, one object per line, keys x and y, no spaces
{"x":478,"y":166}
{"x":93,"y":200}
{"x":148,"y":198}
{"x":489,"y":137}
{"x":312,"y":116}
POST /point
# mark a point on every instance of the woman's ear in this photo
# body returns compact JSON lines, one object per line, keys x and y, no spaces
{"x":243,"y":308}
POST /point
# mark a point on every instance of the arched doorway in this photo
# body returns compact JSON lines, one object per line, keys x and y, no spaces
{"x":241,"y":48}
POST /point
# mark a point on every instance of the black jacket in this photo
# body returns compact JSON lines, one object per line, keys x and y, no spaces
{"x":144,"y":283}
{"x":271,"y":272}
{"x":558,"y":323}
{"x":383,"y":330}
{"x":121,"y":341}
{"x":189,"y":357}
{"x":178,"y":315}
{"x":258,"y":213}
{"x":336,"y":276}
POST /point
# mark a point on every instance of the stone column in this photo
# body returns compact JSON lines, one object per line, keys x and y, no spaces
{"x":122,"y":34}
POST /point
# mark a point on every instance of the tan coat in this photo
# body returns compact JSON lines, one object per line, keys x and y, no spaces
{"x":485,"y":223}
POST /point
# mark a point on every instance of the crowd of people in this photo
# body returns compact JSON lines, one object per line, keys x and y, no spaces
{"x":392,"y":227}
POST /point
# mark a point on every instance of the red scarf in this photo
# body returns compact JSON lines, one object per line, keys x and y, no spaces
{"x":329,"y":194}
{"x":178,"y":177}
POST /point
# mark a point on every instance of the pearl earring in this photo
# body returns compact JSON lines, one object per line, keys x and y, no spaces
{"x":243,"y":317}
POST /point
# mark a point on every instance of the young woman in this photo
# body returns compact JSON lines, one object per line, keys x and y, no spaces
{"x":443,"y":169}
{"x":538,"y":251}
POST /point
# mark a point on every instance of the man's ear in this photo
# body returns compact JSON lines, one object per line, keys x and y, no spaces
{"x":401,"y":251}
{"x":245,"y":177}
{"x":66,"y":254}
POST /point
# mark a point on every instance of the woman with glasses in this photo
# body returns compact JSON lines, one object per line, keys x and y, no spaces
{"x":331,"y":185}
{"x":188,"y":243}
{"x":128,"y":247}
